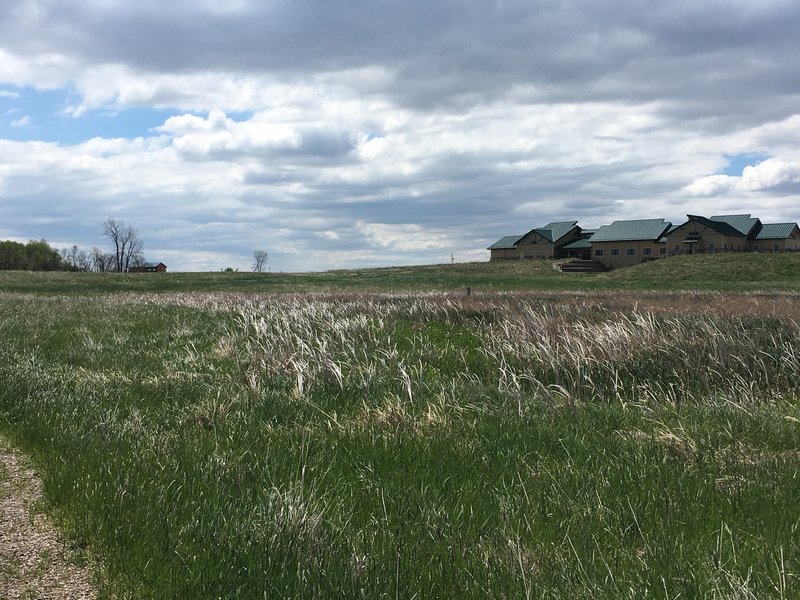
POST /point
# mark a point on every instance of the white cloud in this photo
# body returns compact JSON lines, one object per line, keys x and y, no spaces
{"x":713,"y":185}
{"x":767,"y":176}
{"x":403,"y":236}
{"x":21,"y":122}
{"x":771,"y":173}
{"x":430,"y":184}
{"x":341,"y":133}
{"x":47,"y":70}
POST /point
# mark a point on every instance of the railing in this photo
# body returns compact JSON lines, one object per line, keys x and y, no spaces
{"x":729,"y":251}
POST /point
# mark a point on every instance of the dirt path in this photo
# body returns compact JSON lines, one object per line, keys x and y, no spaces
{"x":34,"y":564}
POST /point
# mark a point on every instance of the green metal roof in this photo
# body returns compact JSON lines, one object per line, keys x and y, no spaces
{"x":552,"y":232}
{"x":775,"y":231}
{"x":579,"y":244}
{"x":719,"y":226}
{"x":742,"y":223}
{"x":505,"y":243}
{"x":642,"y":229}
{"x":671,"y":229}
{"x":557,"y":230}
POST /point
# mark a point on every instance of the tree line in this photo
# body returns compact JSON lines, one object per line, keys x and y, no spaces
{"x":33,"y":256}
{"x":127,"y":251}
{"x":38,"y":255}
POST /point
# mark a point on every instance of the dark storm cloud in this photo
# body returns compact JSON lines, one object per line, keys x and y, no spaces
{"x":448,"y":53}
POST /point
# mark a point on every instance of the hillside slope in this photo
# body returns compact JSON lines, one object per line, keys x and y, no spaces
{"x":711,"y":271}
{"x":745,"y":272}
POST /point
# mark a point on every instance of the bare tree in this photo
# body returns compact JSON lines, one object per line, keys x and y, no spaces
{"x":76,"y":258}
{"x":136,"y":260}
{"x":126,"y":241}
{"x":260,"y":260}
{"x":100,"y":261}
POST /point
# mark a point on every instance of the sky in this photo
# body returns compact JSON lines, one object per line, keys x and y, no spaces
{"x":357,"y":133}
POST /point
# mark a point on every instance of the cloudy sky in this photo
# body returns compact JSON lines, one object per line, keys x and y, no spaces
{"x":341,"y":133}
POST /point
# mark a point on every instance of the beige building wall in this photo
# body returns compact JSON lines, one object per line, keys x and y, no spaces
{"x":627,"y":252}
{"x":711,"y":241}
{"x":790,"y":244}
{"x":503,"y":253}
{"x":535,"y":246}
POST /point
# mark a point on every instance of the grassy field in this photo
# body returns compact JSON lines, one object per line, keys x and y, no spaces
{"x":374,"y":438}
{"x":735,"y":272}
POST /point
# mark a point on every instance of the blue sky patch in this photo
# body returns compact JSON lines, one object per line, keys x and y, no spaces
{"x":737,"y":162}
{"x":28,"y":114}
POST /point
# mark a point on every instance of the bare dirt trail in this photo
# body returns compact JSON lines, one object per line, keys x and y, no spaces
{"x":34,"y":563}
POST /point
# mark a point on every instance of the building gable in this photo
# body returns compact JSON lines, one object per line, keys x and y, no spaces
{"x":534,"y":236}
{"x":558,"y":231}
{"x":697,"y":225}
{"x":744,"y":224}
{"x":552,"y":233}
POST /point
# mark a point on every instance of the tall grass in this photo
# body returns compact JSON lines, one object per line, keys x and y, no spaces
{"x":429,"y":444}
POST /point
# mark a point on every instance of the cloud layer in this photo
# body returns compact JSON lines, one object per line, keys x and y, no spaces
{"x":346,"y":133}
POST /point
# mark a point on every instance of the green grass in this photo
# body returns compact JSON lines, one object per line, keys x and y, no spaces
{"x":736,"y":272}
{"x":479,"y":275}
{"x":413,"y":443}
{"x":741,"y":272}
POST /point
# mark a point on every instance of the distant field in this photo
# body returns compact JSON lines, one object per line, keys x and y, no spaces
{"x":383,"y":435}
{"x":713,"y":272}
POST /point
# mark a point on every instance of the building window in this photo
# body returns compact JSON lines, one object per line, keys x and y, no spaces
{"x":630,"y":251}
{"x":677,"y":248}
{"x":776,"y":248}
{"x":662,"y":250}
{"x":647,"y":251}
{"x":598,"y":252}
{"x":615,"y":252}
{"x":711,"y":246}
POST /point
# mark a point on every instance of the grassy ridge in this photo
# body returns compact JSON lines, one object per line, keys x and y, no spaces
{"x":742,"y":272}
{"x":372,"y":445}
{"x":713,"y":272}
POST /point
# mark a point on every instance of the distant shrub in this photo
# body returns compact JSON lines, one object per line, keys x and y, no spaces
{"x":33,"y":256}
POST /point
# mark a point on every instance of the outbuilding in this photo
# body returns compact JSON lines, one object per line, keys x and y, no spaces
{"x":148,"y":267}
